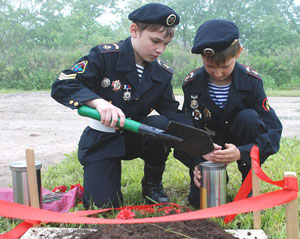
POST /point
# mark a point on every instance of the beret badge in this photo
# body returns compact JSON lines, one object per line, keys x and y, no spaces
{"x":171,"y":19}
{"x":208,"y":52}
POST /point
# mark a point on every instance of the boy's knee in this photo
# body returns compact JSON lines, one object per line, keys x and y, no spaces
{"x":101,"y":201}
{"x":248,"y":121}
{"x":246,"y":118}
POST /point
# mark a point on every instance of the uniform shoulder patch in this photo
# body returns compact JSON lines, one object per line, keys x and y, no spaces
{"x":189,"y":78}
{"x":111,"y":47}
{"x":80,"y":67}
{"x":265,"y":104}
{"x":252,"y":72}
{"x":165,"y":66}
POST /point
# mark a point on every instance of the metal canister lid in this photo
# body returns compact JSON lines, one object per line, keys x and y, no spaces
{"x":207,"y":165}
{"x":22,"y":166}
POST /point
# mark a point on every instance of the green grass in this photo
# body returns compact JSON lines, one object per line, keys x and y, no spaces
{"x":176,"y":183}
{"x":283,"y":93}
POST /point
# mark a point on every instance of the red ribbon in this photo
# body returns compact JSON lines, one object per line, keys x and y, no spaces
{"x":264,"y":201}
{"x":289,"y":183}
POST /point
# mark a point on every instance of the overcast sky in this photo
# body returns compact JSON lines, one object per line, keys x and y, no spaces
{"x":107,"y":18}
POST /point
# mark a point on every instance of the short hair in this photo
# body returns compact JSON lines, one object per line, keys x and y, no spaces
{"x":152,"y":27}
{"x":222,"y":56}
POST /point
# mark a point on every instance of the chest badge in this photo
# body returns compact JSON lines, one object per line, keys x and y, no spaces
{"x":127,"y":93}
{"x":196,"y":114}
{"x":105,"y":82}
{"x":116,"y":85}
{"x":207,"y":113}
{"x":194,"y":104}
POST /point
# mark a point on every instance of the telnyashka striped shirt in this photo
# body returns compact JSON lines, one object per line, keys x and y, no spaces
{"x":219,"y":94}
{"x":140,"y":71}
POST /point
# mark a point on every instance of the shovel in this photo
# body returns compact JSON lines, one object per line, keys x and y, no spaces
{"x":185,"y":138}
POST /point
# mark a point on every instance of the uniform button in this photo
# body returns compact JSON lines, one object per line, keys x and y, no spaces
{"x":137,"y":98}
{"x":244,"y":164}
{"x":226,"y":122}
{"x":76,"y":104}
{"x":71,"y":102}
{"x":151,"y":109}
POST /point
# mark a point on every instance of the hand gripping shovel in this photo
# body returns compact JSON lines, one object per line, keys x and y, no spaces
{"x":185,"y":138}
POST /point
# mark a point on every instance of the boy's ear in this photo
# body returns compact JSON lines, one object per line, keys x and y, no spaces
{"x":239,"y":52}
{"x":133,"y":30}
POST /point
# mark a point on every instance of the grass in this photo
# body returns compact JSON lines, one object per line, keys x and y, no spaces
{"x":176,"y":183}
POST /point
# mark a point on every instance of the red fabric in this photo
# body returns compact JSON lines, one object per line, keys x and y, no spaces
{"x":247,"y":184}
{"x":268,"y":200}
{"x":17,"y":232}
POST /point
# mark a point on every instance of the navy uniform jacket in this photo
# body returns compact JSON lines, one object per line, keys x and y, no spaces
{"x":109,"y":72}
{"x":246,"y":92}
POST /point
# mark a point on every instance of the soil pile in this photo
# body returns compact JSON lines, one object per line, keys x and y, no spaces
{"x":182,"y":229}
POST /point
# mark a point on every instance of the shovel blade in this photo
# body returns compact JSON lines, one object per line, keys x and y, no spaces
{"x":195,"y":141}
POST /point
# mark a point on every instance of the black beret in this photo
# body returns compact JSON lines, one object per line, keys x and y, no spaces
{"x":155,"y":13}
{"x":215,"y":36}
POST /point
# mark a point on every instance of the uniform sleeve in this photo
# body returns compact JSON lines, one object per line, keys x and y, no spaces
{"x":269,"y":141}
{"x":76,"y":85}
{"x":168,"y":106}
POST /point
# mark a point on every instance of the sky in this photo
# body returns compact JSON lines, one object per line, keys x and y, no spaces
{"x":107,"y":18}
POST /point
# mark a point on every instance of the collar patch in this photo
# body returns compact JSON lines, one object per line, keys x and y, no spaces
{"x":165,"y":66}
{"x":252,"y":72}
{"x":112,"y":47}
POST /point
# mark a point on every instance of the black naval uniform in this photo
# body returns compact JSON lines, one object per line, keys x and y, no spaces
{"x":109,"y":72}
{"x":246,"y":120}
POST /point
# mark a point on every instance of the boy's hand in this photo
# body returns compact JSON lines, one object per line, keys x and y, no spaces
{"x":197,"y":176}
{"x":108,"y":112}
{"x":228,"y":155}
{"x":207,"y":156}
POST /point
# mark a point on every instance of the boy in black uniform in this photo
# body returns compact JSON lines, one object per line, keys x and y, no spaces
{"x":121,"y":80}
{"x":227,"y":100}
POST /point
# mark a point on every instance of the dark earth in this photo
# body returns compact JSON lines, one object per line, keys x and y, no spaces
{"x":204,"y":229}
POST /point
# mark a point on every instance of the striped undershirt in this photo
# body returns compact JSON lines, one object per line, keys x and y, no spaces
{"x":140,"y":71}
{"x":219,"y":94}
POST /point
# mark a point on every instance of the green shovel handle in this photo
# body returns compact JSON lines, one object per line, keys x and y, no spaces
{"x":87,"y":111}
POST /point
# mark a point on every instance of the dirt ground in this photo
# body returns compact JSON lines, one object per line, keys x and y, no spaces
{"x":186,"y":229}
{"x":36,"y":121}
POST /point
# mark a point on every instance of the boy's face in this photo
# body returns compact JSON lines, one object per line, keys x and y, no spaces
{"x":148,"y":45}
{"x":220,"y":72}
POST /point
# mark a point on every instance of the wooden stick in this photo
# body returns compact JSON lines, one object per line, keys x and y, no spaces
{"x":256,"y":192}
{"x":32,"y":179}
{"x":291,"y":213}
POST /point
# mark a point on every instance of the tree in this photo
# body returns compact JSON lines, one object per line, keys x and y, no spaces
{"x":272,"y":34}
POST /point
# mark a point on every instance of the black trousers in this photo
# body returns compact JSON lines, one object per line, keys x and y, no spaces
{"x":102,"y":179}
{"x":246,"y":127}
